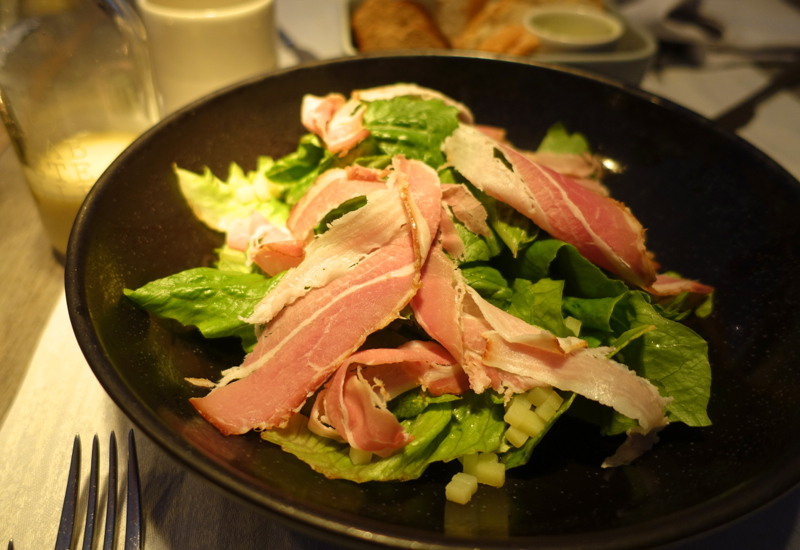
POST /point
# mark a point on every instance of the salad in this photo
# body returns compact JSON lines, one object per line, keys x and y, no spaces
{"x":408,"y":287}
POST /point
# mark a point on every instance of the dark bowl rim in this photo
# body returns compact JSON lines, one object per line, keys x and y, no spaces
{"x":694,"y":522}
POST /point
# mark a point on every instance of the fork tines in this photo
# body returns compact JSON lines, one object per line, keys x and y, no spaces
{"x":133,"y":524}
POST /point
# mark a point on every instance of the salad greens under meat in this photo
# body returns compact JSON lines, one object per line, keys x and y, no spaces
{"x":409,"y":288}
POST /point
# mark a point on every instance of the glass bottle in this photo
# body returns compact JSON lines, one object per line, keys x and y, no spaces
{"x":75,"y":90}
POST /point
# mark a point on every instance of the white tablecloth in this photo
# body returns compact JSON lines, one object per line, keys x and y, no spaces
{"x":59,"y":398}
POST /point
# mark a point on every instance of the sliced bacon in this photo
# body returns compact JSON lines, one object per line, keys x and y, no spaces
{"x":242,"y":231}
{"x":494,"y":132}
{"x":316,"y":112}
{"x":451,"y":241}
{"x":346,"y":129}
{"x":666,"y":285}
{"x":582,"y":169}
{"x":276,"y":257}
{"x":503,"y":352}
{"x":354,"y":402}
{"x":350,"y":239}
{"x":520,"y":349}
{"x":602,"y":229}
{"x":305,"y":342}
{"x":332,"y":188}
{"x":336,"y":121}
{"x":437,"y":304}
{"x":398,"y":90}
{"x":466,"y":208}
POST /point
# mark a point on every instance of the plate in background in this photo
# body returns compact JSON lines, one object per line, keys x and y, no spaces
{"x":627,"y":62}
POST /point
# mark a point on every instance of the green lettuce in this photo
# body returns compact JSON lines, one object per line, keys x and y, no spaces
{"x":411,"y":127}
{"x":218,"y":203}
{"x":214,"y":301}
{"x":442,"y":431}
{"x":559,"y":140}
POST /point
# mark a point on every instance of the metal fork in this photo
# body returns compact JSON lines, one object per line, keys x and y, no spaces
{"x":133,"y":523}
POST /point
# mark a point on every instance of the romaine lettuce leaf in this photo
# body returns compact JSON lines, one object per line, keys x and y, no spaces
{"x":217,"y":204}
{"x":559,"y":140}
{"x":211,"y":300}
{"x":514,"y":229}
{"x":489,"y":283}
{"x":539,"y":304}
{"x":411,"y":127}
{"x":673,"y":357}
{"x":442,"y":431}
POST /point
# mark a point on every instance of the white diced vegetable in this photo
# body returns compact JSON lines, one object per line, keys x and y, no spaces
{"x":539,"y":395}
{"x":470,"y":462}
{"x":516,"y":436}
{"x":551,"y":405}
{"x":490,"y":471}
{"x":516,"y":410}
{"x":546,"y":411}
{"x":554,"y":400}
{"x":359,"y":457}
{"x":461,"y":488}
{"x":532,"y":424}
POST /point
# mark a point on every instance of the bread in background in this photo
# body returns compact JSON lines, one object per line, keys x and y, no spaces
{"x":395,"y":25}
{"x":512,"y":39}
{"x":492,"y":28}
{"x":452,"y":16}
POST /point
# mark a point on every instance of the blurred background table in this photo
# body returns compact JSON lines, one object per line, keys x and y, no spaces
{"x":31,"y":278}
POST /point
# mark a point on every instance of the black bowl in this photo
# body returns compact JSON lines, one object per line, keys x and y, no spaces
{"x":716,"y":209}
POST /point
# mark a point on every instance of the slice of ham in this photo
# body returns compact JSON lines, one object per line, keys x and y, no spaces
{"x":304,"y":343}
{"x":451,"y":241}
{"x":583,"y":169}
{"x":350,"y":239}
{"x":354,"y":402}
{"x":503,"y":352}
{"x":339,"y":123}
{"x":357,"y":234}
{"x":336,"y":121}
{"x":346,"y":128}
{"x":398,"y":90}
{"x":466,"y":208}
{"x":666,"y":285}
{"x":520,"y":349}
{"x":242,"y":231}
{"x":278,"y":256}
{"x":316,"y":112}
{"x":332,"y":188}
{"x":602,"y":229}
{"x":437,"y":304}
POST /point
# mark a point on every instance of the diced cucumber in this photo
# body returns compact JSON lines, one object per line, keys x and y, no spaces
{"x":461,"y":488}
{"x":554,"y":400}
{"x":470,"y":463}
{"x":532,"y":424}
{"x":516,"y":410}
{"x":359,"y":457}
{"x":516,"y":436}
{"x":489,"y":471}
{"x":539,"y":395}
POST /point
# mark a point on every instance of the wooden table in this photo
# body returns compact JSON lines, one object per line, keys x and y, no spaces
{"x":31,"y":279}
